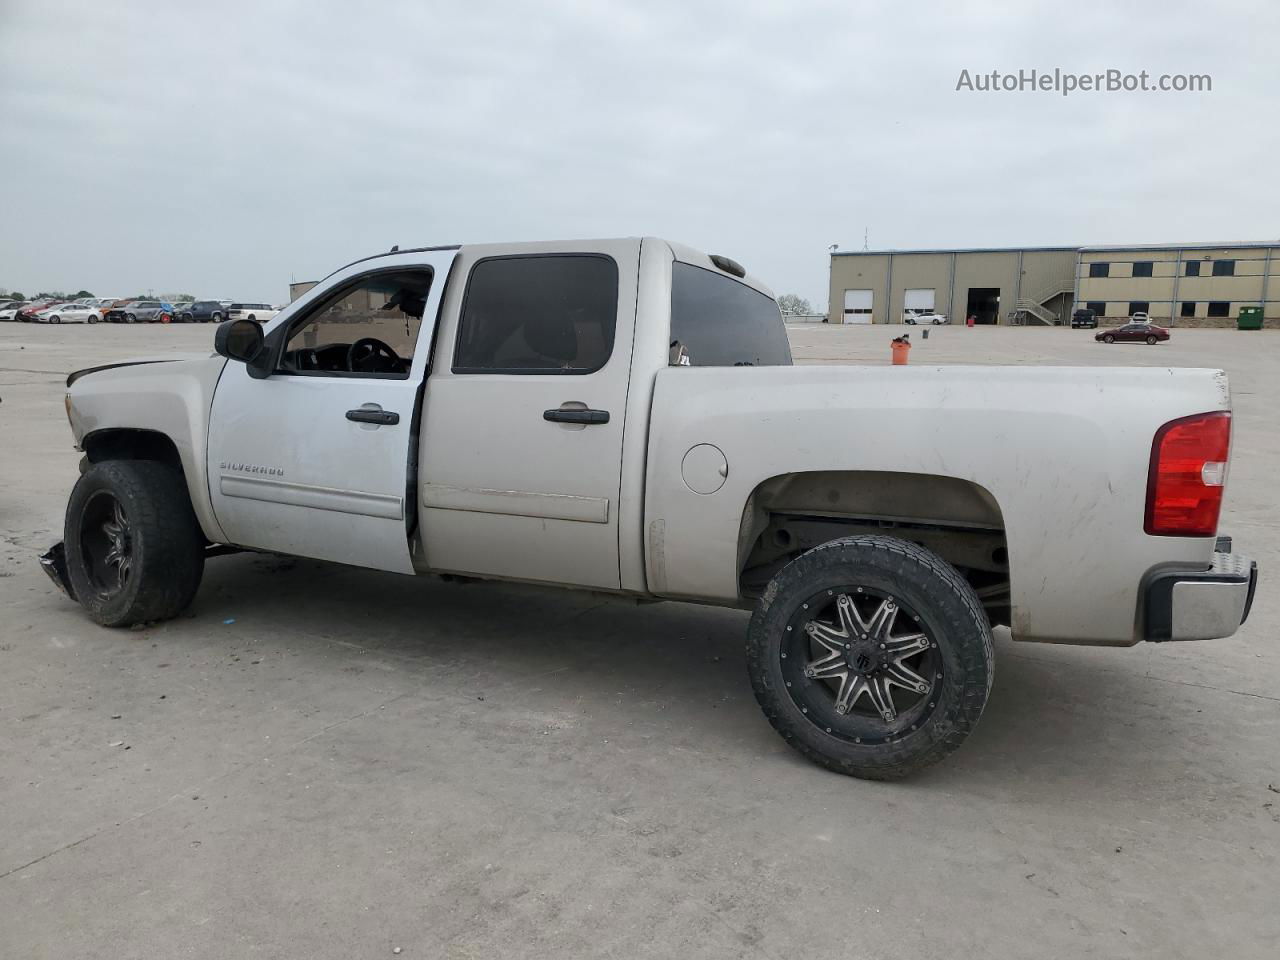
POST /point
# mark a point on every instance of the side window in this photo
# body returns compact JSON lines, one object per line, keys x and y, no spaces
{"x":718,"y":322}
{"x":367,"y":328}
{"x":541,"y":314}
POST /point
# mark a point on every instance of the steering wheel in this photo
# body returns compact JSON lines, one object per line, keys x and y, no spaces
{"x":364,"y":355}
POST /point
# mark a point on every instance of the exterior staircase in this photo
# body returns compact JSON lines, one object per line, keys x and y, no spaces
{"x":1032,"y":309}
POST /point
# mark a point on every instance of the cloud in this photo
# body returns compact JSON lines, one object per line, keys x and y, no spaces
{"x":224,"y":148}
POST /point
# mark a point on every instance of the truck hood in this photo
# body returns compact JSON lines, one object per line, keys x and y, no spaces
{"x":169,"y":358}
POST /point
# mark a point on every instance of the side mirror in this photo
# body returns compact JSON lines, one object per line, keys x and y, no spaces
{"x":239,"y":340}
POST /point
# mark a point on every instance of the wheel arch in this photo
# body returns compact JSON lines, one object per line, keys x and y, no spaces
{"x":959,"y":520}
{"x":140,"y":443}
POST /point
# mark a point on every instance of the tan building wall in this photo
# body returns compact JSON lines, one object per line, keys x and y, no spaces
{"x":298,"y":288}
{"x":1173,"y":294}
{"x":1038,"y":273}
{"x":1059,"y":279}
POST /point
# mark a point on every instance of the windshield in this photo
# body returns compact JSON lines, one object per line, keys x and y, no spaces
{"x":723,"y":323}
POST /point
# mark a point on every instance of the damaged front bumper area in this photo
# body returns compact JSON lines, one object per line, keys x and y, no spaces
{"x":54,"y":563}
{"x":1202,"y":605}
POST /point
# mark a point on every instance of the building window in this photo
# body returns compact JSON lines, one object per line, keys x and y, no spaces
{"x":1219,"y":308}
{"x":1224,"y":268}
{"x":1099,"y":307}
{"x":1193,"y":268}
{"x":1188,"y":308}
{"x":1139,"y":306}
{"x":1099,"y":269}
{"x":1142,"y":268}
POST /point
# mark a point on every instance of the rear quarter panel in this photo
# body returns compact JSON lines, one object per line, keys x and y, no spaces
{"x":1063,"y":451}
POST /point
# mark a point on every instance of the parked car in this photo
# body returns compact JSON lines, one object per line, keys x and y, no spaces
{"x":911,"y":319}
{"x":68,"y":313}
{"x":1139,"y":317}
{"x":107,"y":306}
{"x":559,"y":443}
{"x":1140,"y":332}
{"x":1084,"y":318}
{"x":9,"y":310}
{"x":137,"y":311}
{"x":202,"y":311}
{"x":260,"y":312}
{"x":25,"y":314}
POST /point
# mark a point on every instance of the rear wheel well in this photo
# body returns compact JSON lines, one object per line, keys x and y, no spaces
{"x":956,"y":519}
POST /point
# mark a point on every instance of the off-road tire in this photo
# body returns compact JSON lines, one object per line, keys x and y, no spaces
{"x":948,"y":610}
{"x":167,"y":545}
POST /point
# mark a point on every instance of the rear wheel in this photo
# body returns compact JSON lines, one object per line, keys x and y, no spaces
{"x":130,"y":318}
{"x":871,"y":656}
{"x":134,"y":548}
{"x":1108,"y":339}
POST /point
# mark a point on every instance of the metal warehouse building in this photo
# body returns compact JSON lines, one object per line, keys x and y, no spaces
{"x":1186,"y":285}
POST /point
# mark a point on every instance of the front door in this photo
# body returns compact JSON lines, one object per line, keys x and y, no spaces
{"x":313,"y":460}
{"x":524,"y":413}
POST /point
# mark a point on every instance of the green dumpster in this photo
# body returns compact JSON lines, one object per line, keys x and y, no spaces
{"x":1250,"y":318}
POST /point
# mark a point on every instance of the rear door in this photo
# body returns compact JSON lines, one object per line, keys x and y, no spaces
{"x":523,"y":422}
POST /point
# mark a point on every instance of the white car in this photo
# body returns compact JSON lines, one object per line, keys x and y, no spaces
{"x":68,"y":313}
{"x":9,"y":309}
{"x":1139,"y":317}
{"x":911,"y":319}
{"x":524,"y":412}
{"x":261,"y":312}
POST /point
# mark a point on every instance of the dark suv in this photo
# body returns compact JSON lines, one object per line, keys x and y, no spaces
{"x":202,"y":311}
{"x":1084,"y":318}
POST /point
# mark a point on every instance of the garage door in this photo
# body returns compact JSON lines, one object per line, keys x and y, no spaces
{"x":857,"y":306}
{"x":918,"y":301}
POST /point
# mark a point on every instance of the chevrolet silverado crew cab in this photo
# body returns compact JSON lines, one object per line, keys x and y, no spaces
{"x":623,"y":416}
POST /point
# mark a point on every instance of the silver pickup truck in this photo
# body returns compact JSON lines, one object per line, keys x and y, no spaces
{"x":623,"y":416}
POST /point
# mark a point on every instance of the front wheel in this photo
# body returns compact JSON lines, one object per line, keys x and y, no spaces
{"x":871,"y":656}
{"x":1151,"y":340}
{"x":134,"y":548}
{"x":1108,"y":339}
{"x":130,"y":318}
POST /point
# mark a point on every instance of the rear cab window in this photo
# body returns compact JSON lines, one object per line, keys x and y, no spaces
{"x":720,"y":322}
{"x":538,"y":314}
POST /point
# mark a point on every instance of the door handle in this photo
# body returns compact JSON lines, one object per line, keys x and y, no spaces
{"x":572,"y":415}
{"x":376,"y":416}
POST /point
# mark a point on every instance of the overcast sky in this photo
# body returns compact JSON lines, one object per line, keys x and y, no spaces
{"x":223,"y":148}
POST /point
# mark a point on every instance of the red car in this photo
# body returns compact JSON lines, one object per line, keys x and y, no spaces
{"x":30,"y":310}
{"x":1133,"y":333}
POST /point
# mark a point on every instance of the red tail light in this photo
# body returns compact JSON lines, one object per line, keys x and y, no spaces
{"x":1188,"y":473}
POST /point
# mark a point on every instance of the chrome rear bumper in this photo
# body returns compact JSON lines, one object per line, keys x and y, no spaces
{"x":1201,"y":605}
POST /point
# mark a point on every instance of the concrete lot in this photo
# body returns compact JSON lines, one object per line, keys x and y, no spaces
{"x":323,"y":762}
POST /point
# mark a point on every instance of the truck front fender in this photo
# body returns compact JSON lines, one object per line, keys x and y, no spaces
{"x":157,"y":410}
